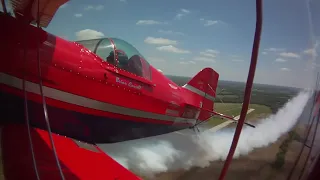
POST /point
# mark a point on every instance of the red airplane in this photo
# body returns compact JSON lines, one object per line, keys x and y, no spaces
{"x":100,"y":90}
{"x":96,"y":91}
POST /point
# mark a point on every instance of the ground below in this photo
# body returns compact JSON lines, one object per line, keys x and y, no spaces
{"x":263,"y":163}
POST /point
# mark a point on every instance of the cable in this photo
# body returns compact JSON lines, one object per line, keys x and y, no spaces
{"x":26,"y":110}
{"x":44,"y":101}
{"x":247,"y":95}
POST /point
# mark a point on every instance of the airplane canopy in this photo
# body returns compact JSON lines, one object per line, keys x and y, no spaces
{"x":119,"y":53}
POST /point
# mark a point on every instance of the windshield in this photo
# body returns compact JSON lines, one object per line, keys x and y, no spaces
{"x":121,"y":54}
{"x":131,"y":59}
{"x":126,"y":47}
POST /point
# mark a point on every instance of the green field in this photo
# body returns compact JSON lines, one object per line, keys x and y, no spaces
{"x":260,"y":111}
{"x":234,"y":109}
{"x":233,"y":92}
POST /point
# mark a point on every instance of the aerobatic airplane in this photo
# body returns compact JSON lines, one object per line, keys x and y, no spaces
{"x":96,"y":91}
{"x":100,"y":90}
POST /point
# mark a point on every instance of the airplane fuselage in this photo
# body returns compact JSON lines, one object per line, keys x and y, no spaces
{"x":87,"y":97}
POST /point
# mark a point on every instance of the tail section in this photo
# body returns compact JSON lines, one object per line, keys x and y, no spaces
{"x":204,"y":86}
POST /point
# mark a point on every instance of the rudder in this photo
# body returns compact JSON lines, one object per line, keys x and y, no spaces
{"x":204,"y":84}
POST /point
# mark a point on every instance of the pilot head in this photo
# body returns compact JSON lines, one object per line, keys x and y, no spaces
{"x":111,"y":58}
{"x":122,"y":58}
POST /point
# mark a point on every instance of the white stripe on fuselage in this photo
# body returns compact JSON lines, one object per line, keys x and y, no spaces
{"x":198,"y":91}
{"x":86,"y":102}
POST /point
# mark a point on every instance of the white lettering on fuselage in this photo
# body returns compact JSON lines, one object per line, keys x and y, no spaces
{"x":130,"y":84}
{"x":118,"y":80}
{"x":134,"y":86}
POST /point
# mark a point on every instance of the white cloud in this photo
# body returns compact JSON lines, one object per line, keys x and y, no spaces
{"x":149,"y":22}
{"x":156,"y":59}
{"x":233,"y":56}
{"x":289,"y":55}
{"x":281,"y":52}
{"x":285,"y":77}
{"x":159,"y":41}
{"x":311,"y":52}
{"x":206,"y":59}
{"x":179,"y":16}
{"x":209,"y":53}
{"x":187,"y":62}
{"x":280,"y":60}
{"x":182,"y":13}
{"x":237,"y":60}
{"x":99,"y":7}
{"x":78,"y":15}
{"x":210,"y":22}
{"x":172,"y":49}
{"x":315,"y":65}
{"x":285,"y":69}
{"x":90,"y":7}
{"x":212,"y":51}
{"x":275,"y":49}
{"x":170,"y":32}
{"x":88,"y":34}
{"x":185,"y":11}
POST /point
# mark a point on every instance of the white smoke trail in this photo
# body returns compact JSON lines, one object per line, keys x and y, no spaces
{"x":175,"y":151}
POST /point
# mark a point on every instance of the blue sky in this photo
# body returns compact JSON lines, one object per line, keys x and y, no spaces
{"x":181,"y":37}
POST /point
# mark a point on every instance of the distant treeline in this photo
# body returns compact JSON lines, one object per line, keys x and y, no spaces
{"x":233,"y":92}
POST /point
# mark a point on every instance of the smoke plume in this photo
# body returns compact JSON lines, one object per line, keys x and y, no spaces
{"x":186,"y":149}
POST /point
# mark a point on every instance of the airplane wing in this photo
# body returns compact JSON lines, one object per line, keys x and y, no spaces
{"x":29,"y":10}
{"x":77,"y":160}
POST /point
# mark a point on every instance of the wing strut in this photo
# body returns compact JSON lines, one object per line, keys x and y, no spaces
{"x":44,"y":100}
{"x":26,"y":110}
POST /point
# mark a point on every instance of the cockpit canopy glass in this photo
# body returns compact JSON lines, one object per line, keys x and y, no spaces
{"x":121,"y":54}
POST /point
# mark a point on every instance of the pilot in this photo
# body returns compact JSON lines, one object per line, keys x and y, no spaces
{"x":122,"y":58}
{"x":111,"y":58}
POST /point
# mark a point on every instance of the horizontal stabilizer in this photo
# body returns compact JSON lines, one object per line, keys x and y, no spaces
{"x":229,"y":118}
